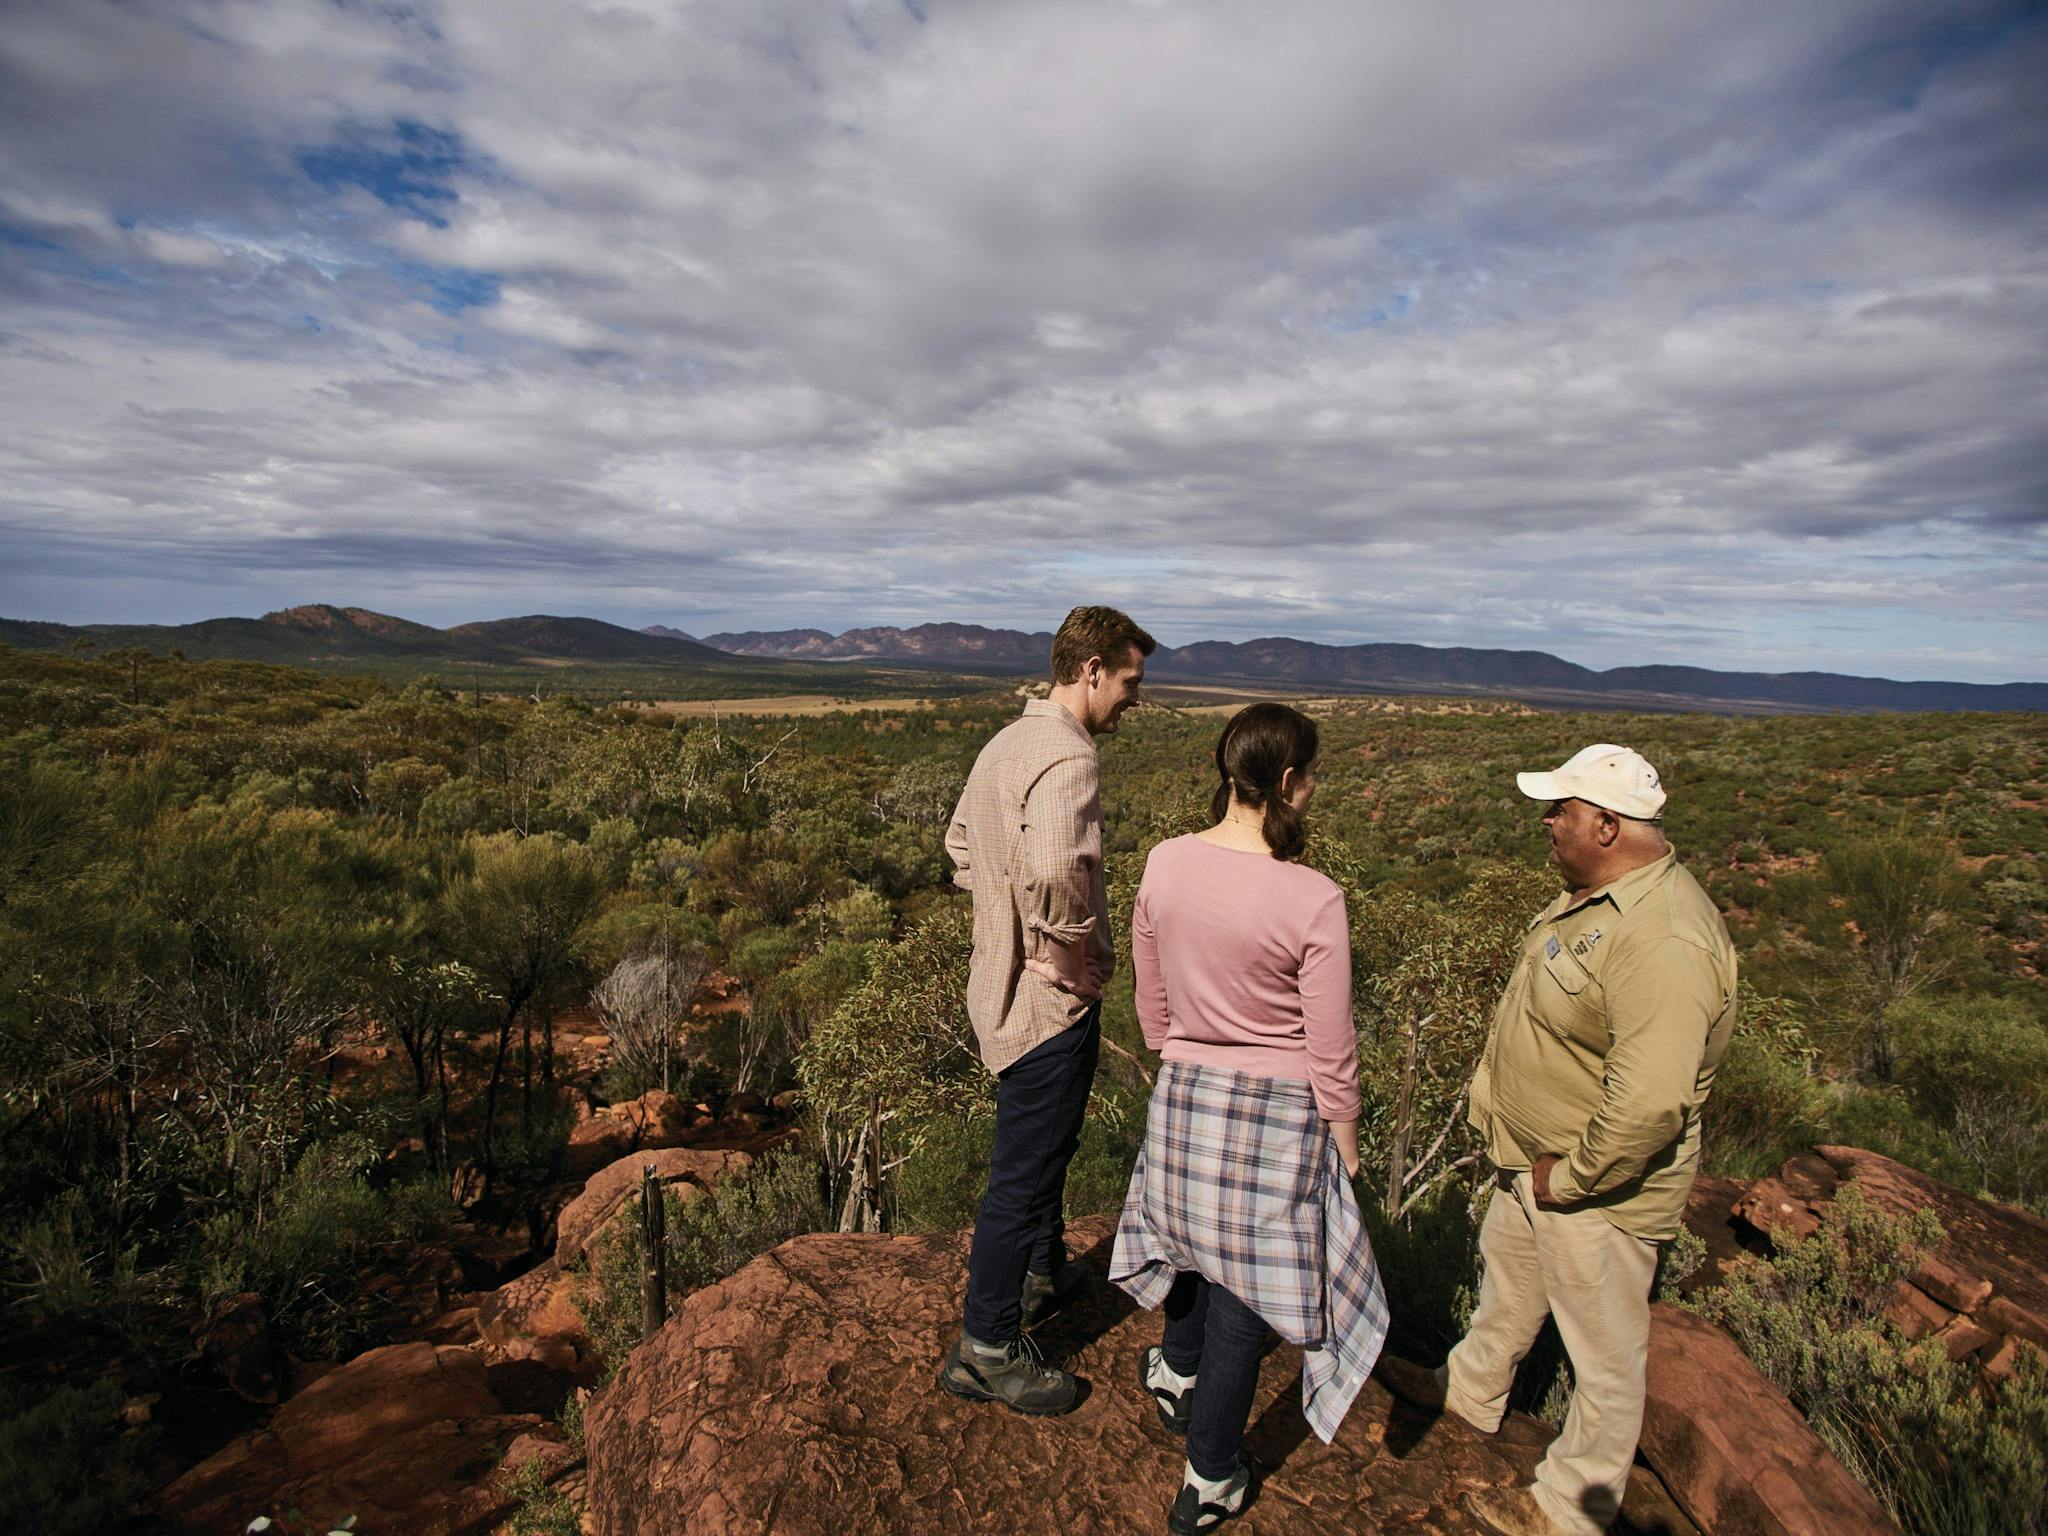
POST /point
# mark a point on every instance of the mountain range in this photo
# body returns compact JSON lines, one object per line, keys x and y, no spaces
{"x":325,"y":636}
{"x":319,"y":634}
{"x":1279,"y":663}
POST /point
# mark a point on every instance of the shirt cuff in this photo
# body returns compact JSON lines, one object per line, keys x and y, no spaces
{"x":1061,"y":933}
{"x":1564,"y":1189}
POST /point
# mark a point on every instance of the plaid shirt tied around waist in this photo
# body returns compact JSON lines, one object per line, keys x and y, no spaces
{"x":1240,"y":1181}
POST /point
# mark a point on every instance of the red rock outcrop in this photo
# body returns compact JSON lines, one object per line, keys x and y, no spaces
{"x":655,"y":1119}
{"x":536,"y":1318}
{"x":1984,"y":1284}
{"x":1738,"y":1456}
{"x":798,"y":1396}
{"x":405,"y":1438}
{"x":235,"y":1340}
{"x":692,"y":1172}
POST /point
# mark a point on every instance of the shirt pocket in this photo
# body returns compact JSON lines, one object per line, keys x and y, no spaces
{"x":1566,"y":999}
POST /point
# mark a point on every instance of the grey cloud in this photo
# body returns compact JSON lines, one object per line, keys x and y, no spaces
{"x":1359,"y":323}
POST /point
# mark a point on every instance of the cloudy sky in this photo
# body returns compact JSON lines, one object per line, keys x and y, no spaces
{"x":1692,"y":331}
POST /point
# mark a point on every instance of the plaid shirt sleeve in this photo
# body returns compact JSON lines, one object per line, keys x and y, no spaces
{"x":1060,"y":854}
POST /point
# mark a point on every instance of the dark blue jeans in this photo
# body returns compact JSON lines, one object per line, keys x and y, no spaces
{"x":1213,"y":1335}
{"x":1040,"y":1099}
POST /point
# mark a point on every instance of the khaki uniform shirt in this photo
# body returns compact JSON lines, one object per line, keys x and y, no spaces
{"x":1605,"y":1045}
{"x":1026,"y":839}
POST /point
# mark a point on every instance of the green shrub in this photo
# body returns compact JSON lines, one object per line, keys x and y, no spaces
{"x":1979,"y":1067}
{"x":1429,"y":1262}
{"x":1767,"y":1103}
{"x":1940,"y":1455}
{"x":307,"y":1256}
{"x":64,"y":1270}
{"x":939,"y":1186}
{"x":535,"y":1154}
{"x":65,"y":1470}
{"x":543,"y":1511}
{"x":1884,"y":1120}
{"x":1100,"y":1175}
{"x":780,"y":1197}
{"x":709,"y":1238}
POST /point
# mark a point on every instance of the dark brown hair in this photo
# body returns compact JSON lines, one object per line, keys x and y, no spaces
{"x":1105,"y":632}
{"x":1253,"y":754}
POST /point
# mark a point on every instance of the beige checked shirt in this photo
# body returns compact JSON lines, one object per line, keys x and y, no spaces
{"x":1026,"y":839}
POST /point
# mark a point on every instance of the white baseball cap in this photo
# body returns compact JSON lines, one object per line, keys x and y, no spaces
{"x":1604,"y":775}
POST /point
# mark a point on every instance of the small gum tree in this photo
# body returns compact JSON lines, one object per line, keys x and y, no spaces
{"x":1883,"y":924}
{"x":896,"y":1051}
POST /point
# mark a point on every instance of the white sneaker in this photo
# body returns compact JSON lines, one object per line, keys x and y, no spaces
{"x":1172,"y":1393}
{"x":1202,"y":1505}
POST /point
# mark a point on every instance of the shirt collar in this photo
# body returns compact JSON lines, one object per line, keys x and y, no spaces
{"x":1627,"y":890}
{"x":1047,"y":707}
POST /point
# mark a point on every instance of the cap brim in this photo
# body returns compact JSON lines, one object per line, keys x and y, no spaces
{"x":1542,"y":786}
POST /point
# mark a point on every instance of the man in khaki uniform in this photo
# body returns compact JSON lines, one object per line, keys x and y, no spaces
{"x":1604,"y":1048}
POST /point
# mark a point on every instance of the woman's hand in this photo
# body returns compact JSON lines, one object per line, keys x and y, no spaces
{"x":1345,"y":1134}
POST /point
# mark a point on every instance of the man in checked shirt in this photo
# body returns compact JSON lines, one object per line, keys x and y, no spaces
{"x":1026,"y":839}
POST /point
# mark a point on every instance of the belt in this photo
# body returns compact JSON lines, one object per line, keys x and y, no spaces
{"x":1504,"y":1178}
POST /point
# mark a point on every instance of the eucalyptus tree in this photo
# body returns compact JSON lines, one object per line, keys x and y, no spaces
{"x":515,"y":919}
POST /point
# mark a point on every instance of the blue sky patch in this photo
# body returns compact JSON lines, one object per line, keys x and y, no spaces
{"x":452,"y":289}
{"x":408,"y":166}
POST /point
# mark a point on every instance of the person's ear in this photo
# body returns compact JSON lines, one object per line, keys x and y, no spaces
{"x":1092,"y":671}
{"x":1609,"y":829}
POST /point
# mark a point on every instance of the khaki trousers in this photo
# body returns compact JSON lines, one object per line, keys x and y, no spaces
{"x":1575,"y":1266}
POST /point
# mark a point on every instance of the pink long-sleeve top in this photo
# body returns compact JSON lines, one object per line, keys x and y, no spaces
{"x":1243,"y":961}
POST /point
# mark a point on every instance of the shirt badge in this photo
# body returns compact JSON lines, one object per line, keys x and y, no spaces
{"x":1550,"y":947}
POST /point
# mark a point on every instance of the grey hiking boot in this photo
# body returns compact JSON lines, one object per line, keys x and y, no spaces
{"x":1045,"y":1294}
{"x":1010,"y":1373}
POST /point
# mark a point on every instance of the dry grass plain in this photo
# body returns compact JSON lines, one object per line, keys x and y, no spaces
{"x":785,"y":704}
{"x":1181,"y":698}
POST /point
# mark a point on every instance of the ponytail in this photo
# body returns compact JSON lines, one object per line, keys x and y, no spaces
{"x":1257,"y":747}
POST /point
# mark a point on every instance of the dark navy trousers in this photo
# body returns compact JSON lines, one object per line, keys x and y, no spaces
{"x":1212,"y":1335}
{"x":1040,"y":1100}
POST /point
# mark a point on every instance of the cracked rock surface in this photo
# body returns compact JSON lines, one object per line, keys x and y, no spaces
{"x":799,"y":1397}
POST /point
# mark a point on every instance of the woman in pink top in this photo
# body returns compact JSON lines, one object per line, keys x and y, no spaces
{"x":1241,"y":1214}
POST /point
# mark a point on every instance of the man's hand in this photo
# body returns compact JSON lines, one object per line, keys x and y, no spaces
{"x":1539,"y":1180}
{"x":1070,"y":968}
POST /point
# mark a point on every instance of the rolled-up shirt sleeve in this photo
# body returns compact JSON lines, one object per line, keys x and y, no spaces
{"x":1328,"y":1026}
{"x":957,"y":849}
{"x":1150,"y":981}
{"x":1662,"y":998}
{"x":1060,"y":852}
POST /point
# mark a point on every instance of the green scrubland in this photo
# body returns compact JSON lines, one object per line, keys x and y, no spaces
{"x":213,"y":875}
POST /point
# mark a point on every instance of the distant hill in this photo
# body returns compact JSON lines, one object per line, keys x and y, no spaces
{"x":319,"y":634}
{"x":1282,"y":663}
{"x":545,"y":636}
{"x":668,"y":634}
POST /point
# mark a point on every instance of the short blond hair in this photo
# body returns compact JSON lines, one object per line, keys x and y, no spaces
{"x":1092,"y":631}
